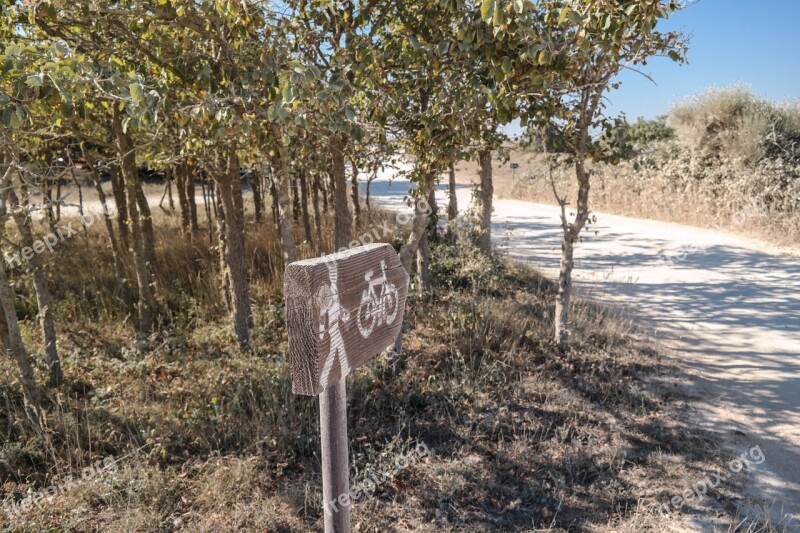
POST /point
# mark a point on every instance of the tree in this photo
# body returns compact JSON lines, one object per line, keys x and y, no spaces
{"x":604,"y":38}
{"x":11,"y":342}
{"x":21,"y":214}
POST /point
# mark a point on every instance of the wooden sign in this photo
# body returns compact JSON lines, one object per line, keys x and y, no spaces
{"x":341,"y":311}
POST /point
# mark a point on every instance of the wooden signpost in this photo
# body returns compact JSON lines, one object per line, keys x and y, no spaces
{"x":341,"y":311}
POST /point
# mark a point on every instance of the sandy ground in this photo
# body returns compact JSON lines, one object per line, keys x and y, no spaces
{"x":728,"y":306}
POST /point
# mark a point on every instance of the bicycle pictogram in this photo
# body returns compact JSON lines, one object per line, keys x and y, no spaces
{"x":376,"y":309}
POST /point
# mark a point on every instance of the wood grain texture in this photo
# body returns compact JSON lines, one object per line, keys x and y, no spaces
{"x":335,"y":469}
{"x":341,"y":311}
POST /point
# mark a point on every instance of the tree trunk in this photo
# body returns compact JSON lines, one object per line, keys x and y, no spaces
{"x":483,"y":202}
{"x":170,"y":199}
{"x":181,"y":172}
{"x":47,"y":187}
{"x":287,"y":231}
{"x":317,"y":219}
{"x":229,"y":186}
{"x":273,"y":193}
{"x":127,"y":157}
{"x":222,"y":249}
{"x":295,"y":199}
{"x":369,"y":186}
{"x":342,"y":213}
{"x":167,"y":187}
{"x":119,"y":264}
{"x":304,"y":210}
{"x":419,"y":225}
{"x":58,"y":192}
{"x":147,"y":224}
{"x":11,"y":343}
{"x":212,"y":189}
{"x":332,"y":191}
{"x":452,"y":206}
{"x":423,"y":251}
{"x":324,"y":190}
{"x":255,"y":185}
{"x":423,"y":265}
{"x":44,"y":301}
{"x":419,"y":229}
{"x":571,"y":234}
{"x":80,"y":203}
{"x":354,"y":194}
{"x":241,"y":299}
{"x":120,"y":199}
{"x":564,"y":293}
{"x":190,"y":183}
{"x":207,"y":208}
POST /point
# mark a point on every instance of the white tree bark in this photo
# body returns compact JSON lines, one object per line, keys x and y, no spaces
{"x":483,"y":202}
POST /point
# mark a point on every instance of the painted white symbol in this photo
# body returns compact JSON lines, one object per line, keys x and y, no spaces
{"x":376,"y":310}
{"x":330,"y":314}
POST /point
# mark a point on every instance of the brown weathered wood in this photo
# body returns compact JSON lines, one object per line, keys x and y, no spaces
{"x":335,"y":469}
{"x":342,"y":310}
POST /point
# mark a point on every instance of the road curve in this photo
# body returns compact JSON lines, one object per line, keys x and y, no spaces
{"x":728,"y":307}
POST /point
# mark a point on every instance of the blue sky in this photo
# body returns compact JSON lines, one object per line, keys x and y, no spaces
{"x":755,"y":42}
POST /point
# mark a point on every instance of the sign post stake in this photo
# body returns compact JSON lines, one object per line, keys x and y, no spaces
{"x":341,"y":311}
{"x":335,"y":467}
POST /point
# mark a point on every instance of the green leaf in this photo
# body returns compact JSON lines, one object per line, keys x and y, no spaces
{"x":543,"y":58}
{"x":137,"y":96}
{"x":574,"y":17}
{"x":444,"y":46}
{"x":487,"y":10}
{"x":519,"y":6}
{"x":499,"y":18}
{"x":34,"y":80}
{"x":6,"y":118}
{"x":350,"y":113}
{"x":414,"y":42}
{"x":288,"y":94}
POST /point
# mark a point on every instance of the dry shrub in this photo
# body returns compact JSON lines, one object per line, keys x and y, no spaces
{"x":734,"y":123}
{"x":734,"y":166}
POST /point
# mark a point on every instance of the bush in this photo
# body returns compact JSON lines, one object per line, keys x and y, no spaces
{"x":461,"y":266}
{"x":645,"y":132}
{"x":736,"y":123}
{"x":624,"y":141}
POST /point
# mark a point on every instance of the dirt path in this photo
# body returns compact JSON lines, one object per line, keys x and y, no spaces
{"x":728,"y":306}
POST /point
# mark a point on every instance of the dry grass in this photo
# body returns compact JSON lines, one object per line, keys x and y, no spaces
{"x":211,"y":439}
{"x":734,"y":165}
{"x":668,"y":181}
